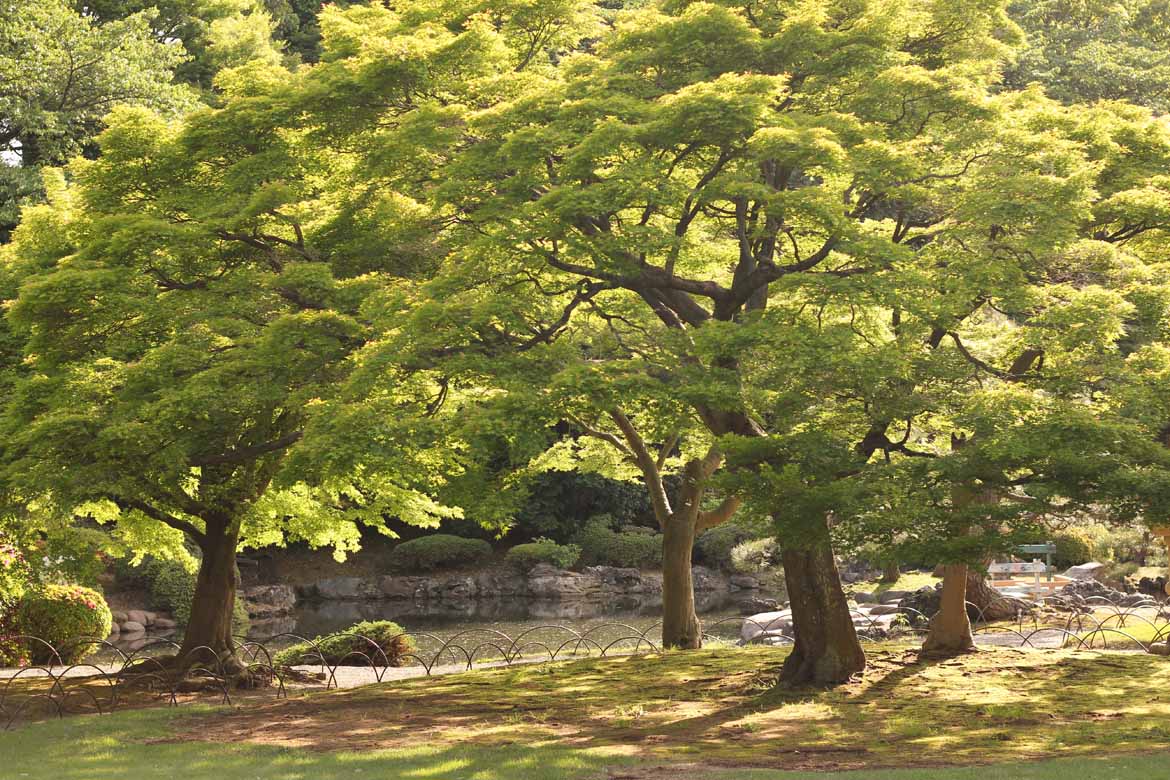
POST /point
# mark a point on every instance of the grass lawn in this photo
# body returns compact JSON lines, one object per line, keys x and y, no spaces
{"x":909,"y":581}
{"x":711,"y":714}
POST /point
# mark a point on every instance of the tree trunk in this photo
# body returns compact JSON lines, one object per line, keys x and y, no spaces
{"x":827,"y":650}
{"x":892,"y":572}
{"x":680,"y":623}
{"x":950,"y":630}
{"x":984,"y":601}
{"x":208,"y":640}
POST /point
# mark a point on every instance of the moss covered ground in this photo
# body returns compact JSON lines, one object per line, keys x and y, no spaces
{"x":718,"y":712}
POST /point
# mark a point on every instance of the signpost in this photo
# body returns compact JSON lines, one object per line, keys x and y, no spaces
{"x":1036,"y":567}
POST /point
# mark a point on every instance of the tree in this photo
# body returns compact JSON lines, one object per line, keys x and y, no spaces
{"x":186,"y":319}
{"x":622,"y":222}
{"x":60,"y":73}
{"x":1003,"y":362}
{"x":1085,"y":51}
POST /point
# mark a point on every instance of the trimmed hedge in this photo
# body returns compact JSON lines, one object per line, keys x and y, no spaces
{"x":438,"y":551}
{"x":526,"y":556}
{"x":603,"y":546}
{"x":1073,"y":547}
{"x":343,"y":647}
{"x":60,"y":614}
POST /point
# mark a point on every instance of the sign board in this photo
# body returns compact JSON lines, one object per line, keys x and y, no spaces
{"x":1037,"y":549}
{"x":1035,"y":567}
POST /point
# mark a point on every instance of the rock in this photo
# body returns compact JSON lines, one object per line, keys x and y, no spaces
{"x":652,"y":583}
{"x":1152,"y":586}
{"x":756,"y":605}
{"x":766,"y":623}
{"x":120,"y":616}
{"x":347,"y":589}
{"x":547,"y":582}
{"x":141,"y":616}
{"x":133,"y":627}
{"x":626,"y":580}
{"x":456,"y":588}
{"x":862,"y":597}
{"x":892,"y":596}
{"x":885,"y":609}
{"x":269,"y":600}
{"x":505,"y":583}
{"x":115,"y":629}
{"x":744,"y":582}
{"x":708,"y":579}
{"x":164,"y":624}
{"x":921,"y":605}
{"x":1086,"y":571}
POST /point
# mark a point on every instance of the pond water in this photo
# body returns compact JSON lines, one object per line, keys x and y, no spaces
{"x":507,"y":616}
{"x":719,"y":611}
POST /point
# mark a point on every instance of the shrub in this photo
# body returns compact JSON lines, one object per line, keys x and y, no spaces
{"x":525,"y":556}
{"x":714,"y":546}
{"x":561,"y":502}
{"x":60,"y":614}
{"x":1073,"y":547}
{"x":438,"y":550}
{"x":755,"y":556}
{"x":343,"y":647}
{"x":602,"y":546}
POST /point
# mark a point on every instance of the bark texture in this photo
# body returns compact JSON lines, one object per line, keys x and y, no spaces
{"x":208,"y":640}
{"x":680,"y":623}
{"x":827,"y":650}
{"x":950,"y":631}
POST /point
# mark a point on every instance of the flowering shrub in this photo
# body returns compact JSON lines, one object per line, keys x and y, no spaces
{"x":14,"y":580}
{"x":60,"y":614}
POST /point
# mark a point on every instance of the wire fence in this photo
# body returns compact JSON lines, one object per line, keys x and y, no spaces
{"x":61,"y":681}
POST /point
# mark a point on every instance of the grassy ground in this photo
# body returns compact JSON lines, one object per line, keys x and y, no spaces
{"x":713,"y":714}
{"x":910,"y":581}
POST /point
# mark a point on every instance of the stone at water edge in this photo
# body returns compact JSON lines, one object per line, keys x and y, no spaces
{"x":133,"y":627}
{"x":862,"y":597}
{"x":766,"y":622}
{"x":164,"y":623}
{"x":140,"y":616}
{"x":1085,"y":571}
{"x":885,"y":609}
{"x":269,"y":600}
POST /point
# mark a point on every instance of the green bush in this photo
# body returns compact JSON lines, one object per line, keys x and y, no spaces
{"x":1073,"y":547}
{"x":437,"y":551}
{"x":714,"y":546}
{"x":60,"y":614}
{"x":343,"y":648}
{"x":603,"y":546}
{"x":755,"y":556}
{"x":525,"y":556}
{"x":561,"y":502}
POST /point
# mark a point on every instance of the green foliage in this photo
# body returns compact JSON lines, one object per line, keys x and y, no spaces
{"x":60,"y":614}
{"x":755,"y":556}
{"x":541,"y":550}
{"x":352,"y":647}
{"x":437,"y":551}
{"x":1088,"y":50}
{"x":715,"y":545}
{"x":560,"y":502}
{"x":1073,"y":547}
{"x":602,"y":546}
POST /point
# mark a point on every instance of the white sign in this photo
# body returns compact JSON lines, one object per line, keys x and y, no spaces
{"x":1035,"y":567}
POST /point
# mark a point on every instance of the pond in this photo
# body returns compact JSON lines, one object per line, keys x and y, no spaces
{"x":719,"y":611}
{"x":508,"y":616}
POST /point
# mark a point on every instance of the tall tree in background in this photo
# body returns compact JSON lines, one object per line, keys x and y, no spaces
{"x":60,"y":73}
{"x":1083,"y":51}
